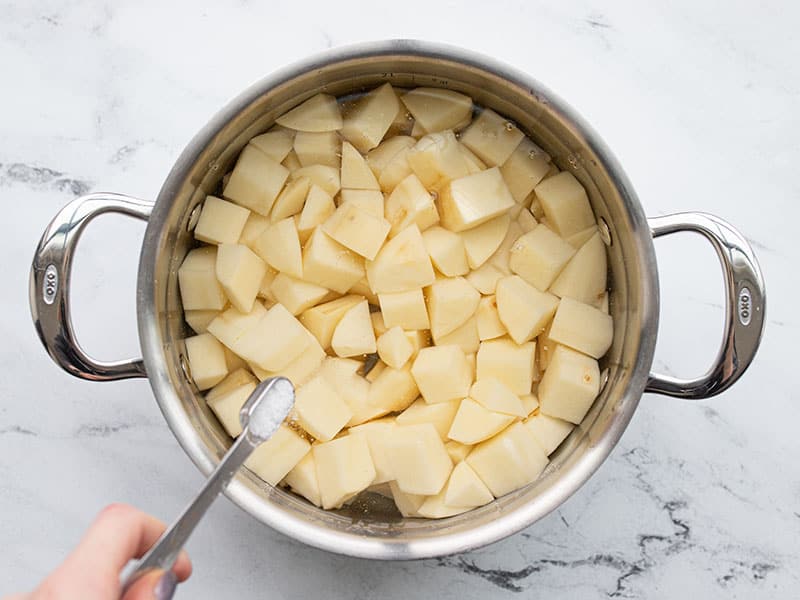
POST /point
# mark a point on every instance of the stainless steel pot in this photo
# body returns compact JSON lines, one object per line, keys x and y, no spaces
{"x":548,"y":120}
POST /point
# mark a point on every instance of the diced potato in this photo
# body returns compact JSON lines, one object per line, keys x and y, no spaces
{"x":233,"y":361}
{"x":299,"y":370}
{"x":318,"y":113}
{"x":465,"y":336}
{"x":549,"y":432}
{"x":302,"y":479}
{"x":489,"y":324}
{"x":446,"y":250}
{"x":439,"y":415}
{"x":469,"y":201}
{"x":322,"y":175}
{"x":402,"y":123}
{"x":274,"y":341}
{"x":418,"y":460}
{"x":353,"y":335}
{"x":356,"y":174}
{"x":565,"y":204}
{"x":353,"y":389}
{"x":435,"y":507}
{"x":291,"y":200}
{"x":253,"y":228}
{"x":370,"y":201}
{"x":576,"y":240}
{"x":502,"y":257}
{"x":198,"y":320}
{"x":417,"y":130}
{"x":378,"y":324}
{"x":273,"y":459}
{"x":569,"y":385}
{"x":584,"y":277}
{"x":344,"y":468}
{"x":524,"y":169}
{"x":526,"y":220}
{"x":402,"y":264}
{"x":197,"y":278}
{"x":291,"y":162}
{"x":457,"y":450}
{"x":530,"y":403}
{"x":437,"y":159}
{"x":539,"y":256}
{"x":265,"y":291}
{"x":509,"y":362}
{"x":524,"y":310}
{"x":318,"y":148}
{"x":393,"y":390}
{"x":366,"y":124}
{"x":492,"y":137}
{"x":407,"y":504}
{"x":582,"y":327}
{"x":321,"y":320}
{"x":255,"y":181}
{"x":220,"y":222}
{"x":437,"y":109}
{"x":230,"y":325}
{"x":545,"y":347}
{"x":496,"y":396}
{"x":410,"y":203}
{"x":297,"y":295}
{"x":474,"y":164}
{"x":394,"y":348}
{"x":395,"y":171}
{"x":206,"y":360}
{"x":465,"y":488}
{"x":357,"y":229}
{"x":275,"y":144}
{"x":279,"y":246}
{"x":451,"y":302}
{"x":320,"y":410}
{"x":239,"y":272}
{"x":378,"y":434}
{"x":404,"y":309}
{"x":317,"y":208}
{"x":474,"y":423}
{"x":227,"y":398}
{"x":508,"y":461}
{"x":329,"y":264}
{"x":482,"y":241}
{"x":379,"y":158}
{"x":442,"y":373}
{"x":485,"y":278}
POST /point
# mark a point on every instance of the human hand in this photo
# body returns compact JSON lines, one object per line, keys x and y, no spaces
{"x":91,"y":572}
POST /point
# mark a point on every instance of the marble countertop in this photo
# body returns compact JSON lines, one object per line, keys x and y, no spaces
{"x":699,"y":101}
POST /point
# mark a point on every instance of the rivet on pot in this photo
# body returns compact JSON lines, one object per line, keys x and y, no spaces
{"x":605,"y":232}
{"x":603,"y":380}
{"x":573,"y":161}
{"x":185,"y":367}
{"x":194,"y":216}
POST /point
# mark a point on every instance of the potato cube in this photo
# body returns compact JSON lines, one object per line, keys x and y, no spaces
{"x":569,"y":385}
{"x":329,"y":264}
{"x":410,"y":203}
{"x":318,"y":148}
{"x":394,"y":348}
{"x":378,"y":324}
{"x":317,"y":208}
{"x":321,"y":320}
{"x":446,"y":250}
{"x":240,"y":272}
{"x":297,"y":295}
{"x":482,"y":241}
{"x":502,"y":257}
{"x":582,"y":327}
{"x":417,"y":130}
{"x":402,"y":264}
{"x":584,"y":278}
{"x":265,"y":291}
{"x":220,"y":222}
{"x":353,"y":335}
{"x":442,"y":373}
{"x":273,"y":459}
{"x":356,"y":174}
{"x":418,"y":460}
{"x":279,"y":246}
{"x":396,"y":170}
{"x":530,"y":403}
{"x":291,"y":199}
{"x":439,"y":415}
{"x":300,"y":369}
{"x":524,"y":310}
{"x":230,"y":325}
{"x":475,"y":164}
{"x":379,"y":158}
{"x":509,"y":362}
{"x":341,"y":373}
{"x":370,"y":201}
{"x":407,"y":504}
{"x":357,"y":229}
{"x":524,"y":169}
{"x":465,"y":488}
{"x":494,"y":395}
{"x":457,"y":450}
{"x":508,"y":461}
{"x":435,"y":507}
{"x":275,"y":144}
{"x":465,"y":336}
{"x":291,"y":162}
{"x":492,"y":137}
{"x":366,"y":124}
{"x":404,"y":309}
{"x":526,"y":221}
{"x":233,"y":361}
{"x":323,"y":176}
{"x":253,"y":228}
{"x":318,"y":113}
{"x":344,"y":468}
{"x":549,"y":432}
{"x":485,"y":278}
{"x":378,"y":434}
{"x":255,"y":181}
{"x":419,"y":339}
{"x":302,"y":479}
{"x":206,"y":360}
{"x":393,"y":390}
{"x":451,"y":302}
{"x":489,"y":324}
{"x":469,"y":201}
{"x":565,"y":204}
{"x":539,"y":256}
{"x":320,"y":410}
{"x":437,"y":109}
{"x":436,"y":159}
{"x":227,"y":398}
{"x":197,"y":278}
{"x":545,"y":347}
{"x":274,"y":341}
{"x":474,"y":423}
{"x":576,"y":240}
{"x":198,"y":320}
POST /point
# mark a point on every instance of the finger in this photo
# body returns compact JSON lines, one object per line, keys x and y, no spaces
{"x":158,"y":585}
{"x":183,"y":566}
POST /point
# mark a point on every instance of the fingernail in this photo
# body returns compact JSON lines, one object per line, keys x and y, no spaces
{"x":165,"y":588}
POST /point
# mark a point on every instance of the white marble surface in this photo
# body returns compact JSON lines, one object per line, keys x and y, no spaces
{"x":698,"y":100}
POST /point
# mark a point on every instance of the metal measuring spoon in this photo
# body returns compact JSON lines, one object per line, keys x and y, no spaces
{"x":261,"y":415}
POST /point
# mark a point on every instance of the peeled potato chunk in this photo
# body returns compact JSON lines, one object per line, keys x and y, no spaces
{"x":437,"y":109}
{"x":439,"y":415}
{"x":394,"y":347}
{"x":297,"y":295}
{"x":526,"y":221}
{"x":321,"y":320}
{"x":442,"y":373}
{"x":206,"y":360}
{"x":279,"y":246}
{"x":523,"y":310}
{"x":482,"y":241}
{"x":357,"y":229}
{"x":446,"y":250}
{"x":524,"y":169}
{"x":437,"y":159}
{"x":584,"y":277}
{"x":451,"y":302}
{"x":329,"y":264}
{"x":418,"y":460}
{"x":301,"y":368}
{"x":509,"y":362}
{"x":344,"y":468}
{"x":549,"y":432}
{"x":582,"y":327}
{"x":253,"y":227}
{"x":465,"y":336}
{"x":407,"y":504}
{"x":324,"y":176}
{"x":317,"y":208}
{"x":402,"y":264}
{"x":469,"y":201}
{"x":465,"y":489}
{"x":379,"y":158}
{"x":565,"y":204}
{"x":370,"y":201}
{"x":275,"y":144}
{"x":198,"y":320}
{"x":539,"y":256}
{"x":392,"y":390}
{"x":227,"y":398}
{"x":492,"y":137}
{"x":302,"y":479}
{"x":569,"y":385}
{"x":489,"y":324}
{"x":239,"y":271}
{"x":273,"y":459}
{"x":318,"y":113}
{"x":288,"y":338}
{"x":198,"y":283}
{"x":341,"y":373}
{"x":366,"y":124}
{"x":404,"y":309}
{"x":410,"y":204}
{"x":474,"y":423}
{"x":457,"y":450}
{"x":435,"y":507}
{"x":494,"y":395}
{"x":485,"y":278}
{"x":353,"y":335}
{"x":220,"y":222}
{"x":230,"y":325}
{"x":255,"y":181}
{"x":291,"y":199}
{"x":320,"y":410}
{"x":356,"y":174}
{"x":378,"y":433}
{"x":323,"y":148}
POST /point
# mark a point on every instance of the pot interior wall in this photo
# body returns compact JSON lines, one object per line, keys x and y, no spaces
{"x":216,"y":149}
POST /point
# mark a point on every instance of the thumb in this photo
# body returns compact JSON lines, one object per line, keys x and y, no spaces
{"x":158,"y":585}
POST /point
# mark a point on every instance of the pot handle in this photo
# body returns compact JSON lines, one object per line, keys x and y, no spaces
{"x":745,"y":306}
{"x":49,"y":285}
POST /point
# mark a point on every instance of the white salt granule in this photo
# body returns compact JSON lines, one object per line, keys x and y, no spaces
{"x":272,"y":409}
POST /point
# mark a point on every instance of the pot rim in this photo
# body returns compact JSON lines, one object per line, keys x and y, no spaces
{"x":350,"y":543}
